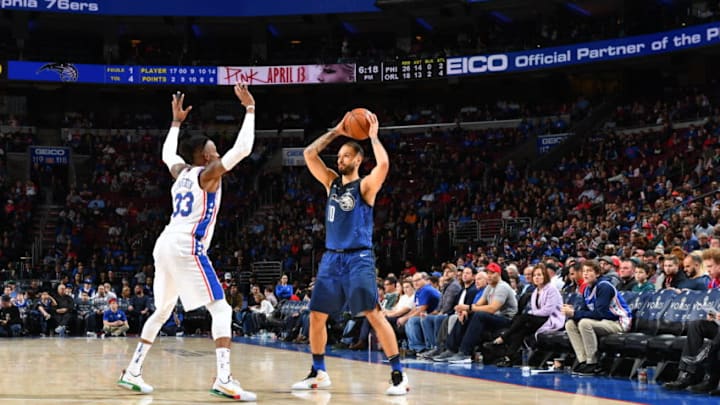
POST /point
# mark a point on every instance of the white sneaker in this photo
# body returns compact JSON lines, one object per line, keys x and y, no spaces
{"x":232,"y":389}
{"x":134,"y":383}
{"x":398,"y":384}
{"x":317,"y":379}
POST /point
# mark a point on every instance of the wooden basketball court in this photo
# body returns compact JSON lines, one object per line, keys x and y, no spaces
{"x":78,"y":370}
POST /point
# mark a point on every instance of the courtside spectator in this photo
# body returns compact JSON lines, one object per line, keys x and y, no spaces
{"x":603,"y":312}
{"x":494,"y":310}
{"x":545,"y":315}
{"x":283,"y":291}
{"x":642,"y":284}
{"x":698,"y":279}
{"x":427,"y":299}
{"x":10,"y":322}
{"x":115,"y":322}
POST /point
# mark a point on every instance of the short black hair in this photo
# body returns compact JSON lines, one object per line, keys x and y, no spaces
{"x":190,"y":145}
{"x":356,"y":147}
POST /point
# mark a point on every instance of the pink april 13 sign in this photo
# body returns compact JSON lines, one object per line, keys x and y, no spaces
{"x":286,"y":75}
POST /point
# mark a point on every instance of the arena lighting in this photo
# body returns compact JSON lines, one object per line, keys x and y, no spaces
{"x":576,"y":8}
{"x":501,"y":17}
{"x":423,"y":23}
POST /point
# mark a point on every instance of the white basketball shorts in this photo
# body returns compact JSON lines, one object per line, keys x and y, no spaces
{"x":183,"y":269}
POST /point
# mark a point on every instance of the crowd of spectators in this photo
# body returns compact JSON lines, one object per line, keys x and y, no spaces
{"x":658,"y":112}
{"x":439,"y":176}
{"x":18,"y":199}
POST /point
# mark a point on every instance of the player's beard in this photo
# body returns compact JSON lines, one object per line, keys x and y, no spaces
{"x":347,"y":169}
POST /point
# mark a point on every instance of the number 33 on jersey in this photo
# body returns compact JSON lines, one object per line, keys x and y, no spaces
{"x":194,"y":210}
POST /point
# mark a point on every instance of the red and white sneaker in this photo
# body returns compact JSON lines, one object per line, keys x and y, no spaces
{"x":232,"y":389}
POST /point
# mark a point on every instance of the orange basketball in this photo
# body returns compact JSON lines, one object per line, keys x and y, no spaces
{"x":357,"y":124}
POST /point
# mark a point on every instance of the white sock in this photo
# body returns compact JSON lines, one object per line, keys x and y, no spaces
{"x":223,"y":363}
{"x":135,"y":366}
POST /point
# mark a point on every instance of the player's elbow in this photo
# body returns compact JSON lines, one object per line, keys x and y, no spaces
{"x":383,"y":165}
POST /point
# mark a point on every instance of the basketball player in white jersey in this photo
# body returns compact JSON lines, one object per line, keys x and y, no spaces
{"x":183,"y":268}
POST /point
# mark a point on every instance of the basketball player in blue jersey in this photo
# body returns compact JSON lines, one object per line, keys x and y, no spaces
{"x":347,"y":269}
{"x":183,"y":268}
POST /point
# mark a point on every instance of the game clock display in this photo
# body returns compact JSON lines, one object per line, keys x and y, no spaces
{"x":401,"y":70}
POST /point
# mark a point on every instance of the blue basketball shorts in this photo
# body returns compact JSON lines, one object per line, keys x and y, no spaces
{"x":345,"y":278}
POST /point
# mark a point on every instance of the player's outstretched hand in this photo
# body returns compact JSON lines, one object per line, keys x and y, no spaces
{"x":179,"y":114}
{"x":243,"y":94}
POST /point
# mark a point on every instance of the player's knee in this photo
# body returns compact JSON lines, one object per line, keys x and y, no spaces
{"x":165,"y":310}
{"x":318,"y":316}
{"x":220,"y":309}
{"x":374,"y":316}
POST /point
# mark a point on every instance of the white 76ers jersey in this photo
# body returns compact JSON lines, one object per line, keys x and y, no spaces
{"x":194,"y":210}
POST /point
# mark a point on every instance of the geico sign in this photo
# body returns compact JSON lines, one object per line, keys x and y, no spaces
{"x":50,"y":152}
{"x":477,"y":64}
{"x":553,"y":140}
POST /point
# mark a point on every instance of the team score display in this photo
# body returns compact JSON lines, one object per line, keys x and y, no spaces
{"x":68,"y":5}
{"x":401,"y":70}
{"x":419,"y":69}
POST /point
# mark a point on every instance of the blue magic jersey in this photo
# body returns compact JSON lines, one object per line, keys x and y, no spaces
{"x":348,"y":218}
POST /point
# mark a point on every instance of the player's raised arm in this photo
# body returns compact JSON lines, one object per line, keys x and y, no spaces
{"x":169,"y":151}
{"x":372,"y":183}
{"x":243,"y":143}
{"x":312,"y":155}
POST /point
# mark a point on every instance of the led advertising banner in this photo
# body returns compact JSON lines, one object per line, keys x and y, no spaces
{"x":180,"y":75}
{"x":547,"y":142}
{"x":204,"y":8}
{"x":589,"y":52}
{"x":50,"y":155}
{"x":295,"y":74}
{"x":386,"y":71}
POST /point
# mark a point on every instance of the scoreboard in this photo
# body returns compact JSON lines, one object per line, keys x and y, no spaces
{"x":112,"y":74}
{"x":387,"y":71}
{"x":401,"y":70}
